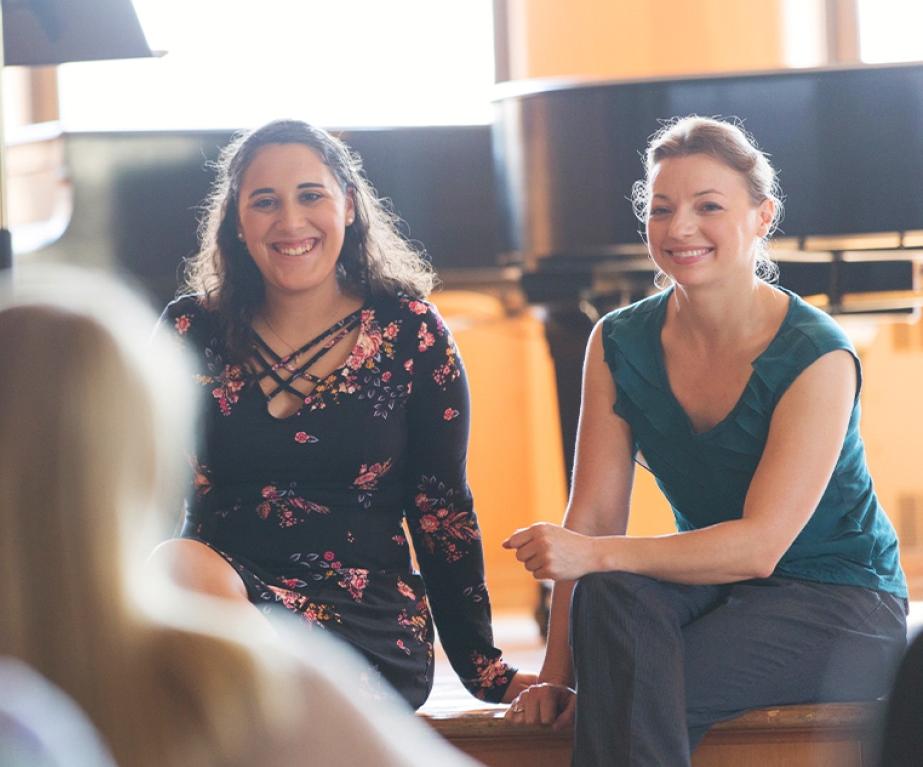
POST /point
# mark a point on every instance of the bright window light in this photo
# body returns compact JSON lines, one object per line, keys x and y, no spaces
{"x":890,"y":31}
{"x":341,"y":63}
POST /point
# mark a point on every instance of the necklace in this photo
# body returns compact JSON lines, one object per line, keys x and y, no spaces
{"x":288,"y":361}
{"x":291,"y":347}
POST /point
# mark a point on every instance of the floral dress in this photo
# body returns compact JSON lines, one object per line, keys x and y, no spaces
{"x":310,"y":509}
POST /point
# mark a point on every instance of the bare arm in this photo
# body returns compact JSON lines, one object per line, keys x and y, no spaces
{"x":600,"y":490}
{"x":805,"y":438}
{"x":598,"y":506}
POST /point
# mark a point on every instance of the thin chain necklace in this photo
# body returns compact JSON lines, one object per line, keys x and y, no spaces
{"x":291,"y":346}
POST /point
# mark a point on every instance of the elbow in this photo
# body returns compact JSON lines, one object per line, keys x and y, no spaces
{"x":763,"y":565}
{"x":760,"y":549}
{"x":764,"y":570}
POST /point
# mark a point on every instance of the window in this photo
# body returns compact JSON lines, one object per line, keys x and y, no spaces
{"x":239,"y":63}
{"x":889,"y":31}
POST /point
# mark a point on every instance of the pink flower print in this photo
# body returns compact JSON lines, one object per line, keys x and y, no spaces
{"x":449,"y":414}
{"x":405,"y":590}
{"x":417,"y":307}
{"x":391,"y":331}
{"x":303,"y":438}
{"x":490,"y":672}
{"x":354,"y":580}
{"x":367,"y":480}
{"x":369,"y":475}
{"x":448,"y":370}
{"x":402,"y":646}
{"x":319,"y":613}
{"x":366,"y":348}
{"x":408,"y":366}
{"x":386,"y":376}
{"x":425,"y":338}
{"x":182,"y":324}
{"x":417,"y":624}
{"x":399,"y":539}
{"x":290,"y":508}
{"x":312,"y":612}
{"x":429,"y":523}
{"x":445,"y":529}
{"x":329,"y":556}
{"x":230,"y":385}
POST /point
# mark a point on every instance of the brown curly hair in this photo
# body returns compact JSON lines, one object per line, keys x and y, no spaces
{"x":375,"y":259}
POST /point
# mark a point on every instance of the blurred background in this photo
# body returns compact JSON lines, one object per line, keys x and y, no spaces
{"x":507,"y":134}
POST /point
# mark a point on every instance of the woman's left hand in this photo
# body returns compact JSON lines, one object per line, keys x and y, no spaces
{"x":522,"y":680}
{"x":552,"y":552}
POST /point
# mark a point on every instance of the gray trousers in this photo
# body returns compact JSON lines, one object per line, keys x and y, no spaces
{"x":658,"y":663}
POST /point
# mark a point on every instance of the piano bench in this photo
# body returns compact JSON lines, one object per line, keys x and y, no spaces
{"x":819,"y":735}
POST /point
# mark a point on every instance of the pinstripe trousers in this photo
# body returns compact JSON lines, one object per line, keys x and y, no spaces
{"x":657,"y":663}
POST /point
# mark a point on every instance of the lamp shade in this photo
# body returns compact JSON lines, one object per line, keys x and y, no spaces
{"x":47,"y":32}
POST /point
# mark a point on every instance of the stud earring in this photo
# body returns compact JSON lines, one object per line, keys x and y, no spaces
{"x":240,"y":236}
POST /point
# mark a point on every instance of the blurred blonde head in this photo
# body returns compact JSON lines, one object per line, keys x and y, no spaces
{"x":94,"y":414}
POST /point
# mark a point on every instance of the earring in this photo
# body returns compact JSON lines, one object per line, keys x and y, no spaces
{"x":240,"y":236}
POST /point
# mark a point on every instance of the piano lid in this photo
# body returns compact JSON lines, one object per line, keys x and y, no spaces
{"x":848,"y":143}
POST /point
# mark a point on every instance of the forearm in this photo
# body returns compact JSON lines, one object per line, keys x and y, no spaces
{"x":723,"y":553}
{"x":557,"y":668}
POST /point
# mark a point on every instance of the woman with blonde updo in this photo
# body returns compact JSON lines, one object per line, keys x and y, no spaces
{"x":782,"y":580}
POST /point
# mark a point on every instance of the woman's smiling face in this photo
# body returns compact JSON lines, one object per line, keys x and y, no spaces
{"x":292,"y":216}
{"x":702,"y":224}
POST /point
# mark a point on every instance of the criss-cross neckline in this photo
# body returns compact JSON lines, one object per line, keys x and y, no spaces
{"x":268,"y":362}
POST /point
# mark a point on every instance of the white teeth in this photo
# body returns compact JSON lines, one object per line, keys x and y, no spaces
{"x":299,"y":250}
{"x":690,"y":253}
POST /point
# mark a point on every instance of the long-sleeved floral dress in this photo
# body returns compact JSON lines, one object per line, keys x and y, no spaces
{"x":309,"y":509}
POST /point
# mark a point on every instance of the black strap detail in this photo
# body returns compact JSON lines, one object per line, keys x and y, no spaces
{"x":269,"y":362}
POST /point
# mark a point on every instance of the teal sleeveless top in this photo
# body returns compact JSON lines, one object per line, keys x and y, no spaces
{"x":705,"y":476}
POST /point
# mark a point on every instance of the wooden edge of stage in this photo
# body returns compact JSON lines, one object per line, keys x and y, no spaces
{"x":784,"y":735}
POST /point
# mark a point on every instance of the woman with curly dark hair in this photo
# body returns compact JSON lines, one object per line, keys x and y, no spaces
{"x":337,"y":409}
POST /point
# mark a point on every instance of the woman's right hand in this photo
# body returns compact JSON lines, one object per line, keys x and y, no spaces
{"x":544,"y":703}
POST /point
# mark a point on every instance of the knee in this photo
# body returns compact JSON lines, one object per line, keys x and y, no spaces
{"x":597,"y":595}
{"x":192,"y":565}
{"x":593,"y":588}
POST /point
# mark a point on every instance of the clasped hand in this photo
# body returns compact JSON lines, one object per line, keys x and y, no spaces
{"x":552,"y":552}
{"x":546,"y":704}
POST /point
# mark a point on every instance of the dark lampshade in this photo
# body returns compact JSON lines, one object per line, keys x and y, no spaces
{"x":46,"y":32}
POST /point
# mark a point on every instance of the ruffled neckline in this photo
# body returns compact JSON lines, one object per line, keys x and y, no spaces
{"x":747,"y":398}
